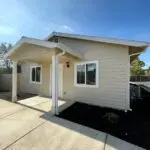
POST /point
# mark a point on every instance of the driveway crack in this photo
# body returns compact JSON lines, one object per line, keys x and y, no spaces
{"x":24,"y":135}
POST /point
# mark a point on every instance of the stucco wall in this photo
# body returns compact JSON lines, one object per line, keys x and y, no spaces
{"x":114,"y":70}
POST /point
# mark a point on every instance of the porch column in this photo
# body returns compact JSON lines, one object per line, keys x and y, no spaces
{"x":14,"y":82}
{"x":55,"y":84}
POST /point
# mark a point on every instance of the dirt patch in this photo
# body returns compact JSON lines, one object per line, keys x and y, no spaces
{"x":133,"y":127}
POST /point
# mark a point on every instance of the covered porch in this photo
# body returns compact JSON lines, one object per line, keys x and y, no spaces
{"x":39,"y":52}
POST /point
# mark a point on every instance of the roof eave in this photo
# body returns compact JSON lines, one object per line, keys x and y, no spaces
{"x":103,"y":40}
{"x":44,"y":44}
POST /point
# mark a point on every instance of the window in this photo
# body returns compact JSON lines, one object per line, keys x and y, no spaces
{"x":35,"y":74}
{"x":86,"y":74}
{"x":19,"y":68}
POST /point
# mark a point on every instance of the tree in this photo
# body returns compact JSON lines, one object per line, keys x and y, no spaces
{"x":137,"y":67}
{"x":5,"y":63}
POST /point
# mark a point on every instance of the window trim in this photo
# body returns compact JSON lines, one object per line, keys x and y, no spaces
{"x":97,"y":74}
{"x":35,"y":66}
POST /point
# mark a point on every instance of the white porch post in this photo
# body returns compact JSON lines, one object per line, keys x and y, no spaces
{"x":14,"y":82}
{"x":55,"y":84}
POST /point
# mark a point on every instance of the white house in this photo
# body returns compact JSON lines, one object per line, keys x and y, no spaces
{"x":72,"y":67}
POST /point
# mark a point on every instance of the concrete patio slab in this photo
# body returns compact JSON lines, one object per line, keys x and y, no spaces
{"x":114,"y":143}
{"x":12,"y":130}
{"x":29,"y":124}
{"x":7,"y":108}
{"x":34,"y":101}
{"x":53,"y":135}
{"x":16,"y":125}
{"x":17,"y":119}
{"x":39,"y":103}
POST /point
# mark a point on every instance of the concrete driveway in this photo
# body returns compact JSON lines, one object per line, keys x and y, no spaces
{"x":29,"y":124}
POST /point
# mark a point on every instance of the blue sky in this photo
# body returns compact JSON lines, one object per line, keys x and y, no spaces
{"x":127,"y":19}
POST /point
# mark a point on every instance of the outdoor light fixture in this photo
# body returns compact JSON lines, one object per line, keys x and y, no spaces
{"x":67,"y":64}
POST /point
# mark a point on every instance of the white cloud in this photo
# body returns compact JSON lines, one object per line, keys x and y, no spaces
{"x":21,"y":20}
{"x":65,"y":28}
{"x":58,"y":28}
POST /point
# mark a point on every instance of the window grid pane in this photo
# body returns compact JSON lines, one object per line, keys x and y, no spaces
{"x":81,"y":74}
{"x":36,"y":74}
{"x":91,"y":74}
{"x":38,"y":70}
{"x":33,"y":74}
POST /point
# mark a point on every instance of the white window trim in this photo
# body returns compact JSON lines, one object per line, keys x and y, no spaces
{"x":34,"y":66}
{"x":97,"y":74}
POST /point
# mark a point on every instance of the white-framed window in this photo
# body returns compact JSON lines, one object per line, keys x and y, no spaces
{"x":36,"y":74}
{"x":87,"y":74}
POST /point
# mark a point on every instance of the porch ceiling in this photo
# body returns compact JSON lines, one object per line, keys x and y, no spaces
{"x":32,"y":53}
{"x":35,"y":50}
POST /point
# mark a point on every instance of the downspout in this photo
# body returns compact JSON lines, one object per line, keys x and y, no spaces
{"x":139,"y":90}
{"x":61,"y":54}
{"x":135,"y":54}
{"x":129,"y":81}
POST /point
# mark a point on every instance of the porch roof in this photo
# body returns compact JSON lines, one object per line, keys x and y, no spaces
{"x":42,"y":43}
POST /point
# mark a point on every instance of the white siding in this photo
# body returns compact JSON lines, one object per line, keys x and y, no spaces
{"x":114,"y":72}
{"x":27,"y":87}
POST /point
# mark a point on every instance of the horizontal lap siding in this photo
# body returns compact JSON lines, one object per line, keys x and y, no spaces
{"x":113,"y":88}
{"x":27,"y":87}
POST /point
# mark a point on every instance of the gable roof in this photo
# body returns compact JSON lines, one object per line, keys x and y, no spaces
{"x":101,"y":39}
{"x":43,"y":43}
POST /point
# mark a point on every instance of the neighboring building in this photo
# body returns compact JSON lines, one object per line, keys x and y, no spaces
{"x":147,"y":72}
{"x":91,"y":70}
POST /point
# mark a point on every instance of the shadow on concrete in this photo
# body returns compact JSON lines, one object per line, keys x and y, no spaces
{"x":32,"y":107}
{"x":97,"y":135}
{"x":22,"y":96}
{"x":86,"y":131}
{"x":48,"y":116}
